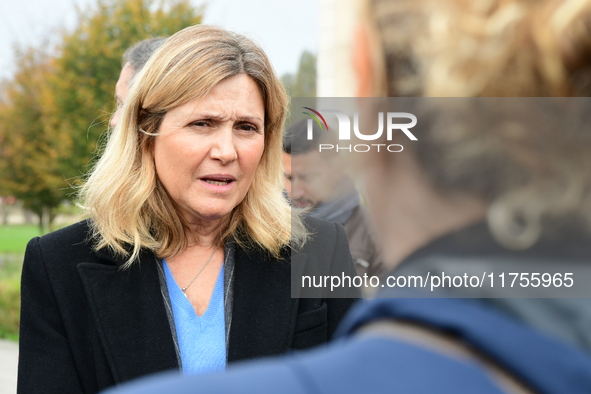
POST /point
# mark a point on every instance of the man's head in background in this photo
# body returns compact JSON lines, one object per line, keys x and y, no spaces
{"x":312,"y":177}
{"x":287,"y":165}
{"x":134,"y":59}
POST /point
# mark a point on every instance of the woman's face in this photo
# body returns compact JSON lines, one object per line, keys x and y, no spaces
{"x":207,"y":151}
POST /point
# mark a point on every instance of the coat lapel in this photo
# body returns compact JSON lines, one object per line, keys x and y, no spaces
{"x":130,"y":316}
{"x":298,"y":264}
{"x":263,"y":313}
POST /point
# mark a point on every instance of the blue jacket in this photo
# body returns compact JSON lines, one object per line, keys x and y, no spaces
{"x":355,"y":364}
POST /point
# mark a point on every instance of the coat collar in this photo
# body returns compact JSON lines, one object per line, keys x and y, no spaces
{"x":108,"y":255}
{"x":263,"y":313}
{"x":130,"y":315}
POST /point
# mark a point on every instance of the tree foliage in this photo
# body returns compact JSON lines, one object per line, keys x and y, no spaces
{"x":303,"y":83}
{"x":29,"y":155}
{"x":54,"y":109}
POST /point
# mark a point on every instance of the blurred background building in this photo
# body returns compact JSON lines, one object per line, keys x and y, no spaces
{"x":337,"y":20}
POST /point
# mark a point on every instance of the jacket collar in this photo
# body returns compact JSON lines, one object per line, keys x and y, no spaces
{"x":109,"y":256}
{"x":261,"y":291}
{"x":129,"y":315}
{"x":131,"y":318}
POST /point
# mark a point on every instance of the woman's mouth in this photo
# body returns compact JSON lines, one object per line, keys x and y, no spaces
{"x":218,"y":182}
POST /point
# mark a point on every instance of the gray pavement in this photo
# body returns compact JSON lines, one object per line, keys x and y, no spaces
{"x":8,"y":364}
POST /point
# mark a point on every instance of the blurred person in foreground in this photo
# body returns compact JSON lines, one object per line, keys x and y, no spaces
{"x":505,"y":194}
{"x":318,"y":182}
{"x":134,"y":59}
{"x":185,"y":260}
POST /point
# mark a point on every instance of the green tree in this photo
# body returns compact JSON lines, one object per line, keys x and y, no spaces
{"x":303,"y":83}
{"x":89,"y":64}
{"x":29,"y":156}
{"x":57,"y":105}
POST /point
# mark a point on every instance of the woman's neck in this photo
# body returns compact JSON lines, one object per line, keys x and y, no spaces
{"x":206,"y":233}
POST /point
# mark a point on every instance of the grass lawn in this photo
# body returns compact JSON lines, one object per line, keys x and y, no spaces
{"x":13,"y":242}
{"x":14,"y":239}
{"x":10,"y":303}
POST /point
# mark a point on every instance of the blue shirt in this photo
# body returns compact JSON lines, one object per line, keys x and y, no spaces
{"x":201,"y":339}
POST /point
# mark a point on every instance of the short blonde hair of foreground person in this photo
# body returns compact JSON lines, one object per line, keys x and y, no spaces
{"x":480,"y":48}
{"x":126,"y":202}
{"x":527,"y":177}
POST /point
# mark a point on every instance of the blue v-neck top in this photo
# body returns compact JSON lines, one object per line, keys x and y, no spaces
{"x":201,"y":339}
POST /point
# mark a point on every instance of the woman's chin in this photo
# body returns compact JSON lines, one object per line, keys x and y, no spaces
{"x":208,"y":216}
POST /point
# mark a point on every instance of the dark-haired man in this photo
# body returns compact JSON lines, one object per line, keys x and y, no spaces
{"x":134,"y":60}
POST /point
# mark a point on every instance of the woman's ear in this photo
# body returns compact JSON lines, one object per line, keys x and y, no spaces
{"x":362,"y":62}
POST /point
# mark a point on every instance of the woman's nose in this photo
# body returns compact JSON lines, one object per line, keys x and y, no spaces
{"x":224,"y":148}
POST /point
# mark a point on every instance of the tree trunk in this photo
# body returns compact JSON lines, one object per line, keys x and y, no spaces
{"x":40,"y":215}
{"x":51,"y":214}
{"x":4,"y":208}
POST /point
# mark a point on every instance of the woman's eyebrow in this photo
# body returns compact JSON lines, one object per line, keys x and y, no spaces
{"x":217,"y":116}
{"x":250,"y":118}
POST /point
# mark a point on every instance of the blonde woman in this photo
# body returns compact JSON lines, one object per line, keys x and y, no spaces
{"x":492,"y":185}
{"x":184,"y":261}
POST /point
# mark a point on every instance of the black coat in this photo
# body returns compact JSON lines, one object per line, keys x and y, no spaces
{"x":86,"y":324}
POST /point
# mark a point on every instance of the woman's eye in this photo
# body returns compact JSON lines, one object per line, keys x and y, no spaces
{"x":200,"y":123}
{"x":248,"y":127}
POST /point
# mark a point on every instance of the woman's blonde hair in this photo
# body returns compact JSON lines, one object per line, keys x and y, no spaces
{"x":128,"y":206}
{"x":531,"y":169}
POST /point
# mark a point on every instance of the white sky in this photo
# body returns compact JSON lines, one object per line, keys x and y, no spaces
{"x":284,"y":28}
